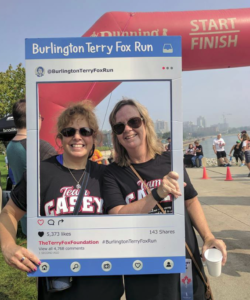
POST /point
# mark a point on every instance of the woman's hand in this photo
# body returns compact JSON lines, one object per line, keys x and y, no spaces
{"x":20,"y":258}
{"x":218,"y":244}
{"x":169,"y":185}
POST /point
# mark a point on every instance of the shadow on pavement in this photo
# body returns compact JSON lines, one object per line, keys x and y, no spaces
{"x":237,"y":200}
{"x":245,"y":178}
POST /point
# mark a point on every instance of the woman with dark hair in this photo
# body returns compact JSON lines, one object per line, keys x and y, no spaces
{"x":237,"y":153}
{"x":77,"y":128}
{"x":137,"y":147}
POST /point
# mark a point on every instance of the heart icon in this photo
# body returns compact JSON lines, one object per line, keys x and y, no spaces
{"x":137,"y":265}
{"x":40,"y":222}
{"x":40,"y":233}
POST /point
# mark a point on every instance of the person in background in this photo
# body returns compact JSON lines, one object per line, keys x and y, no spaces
{"x":16,"y":149}
{"x":168,"y":146}
{"x":97,"y":157}
{"x":219,"y":150}
{"x":237,"y":153}
{"x":76,"y":129}
{"x":240,"y":138}
{"x":199,"y":153}
{"x":190,"y":156}
{"x":138,"y":148}
{"x":246,"y":149}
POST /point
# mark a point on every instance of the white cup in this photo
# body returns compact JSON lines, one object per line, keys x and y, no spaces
{"x":213,"y":261}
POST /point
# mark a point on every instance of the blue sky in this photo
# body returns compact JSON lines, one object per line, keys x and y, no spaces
{"x":208,"y":93}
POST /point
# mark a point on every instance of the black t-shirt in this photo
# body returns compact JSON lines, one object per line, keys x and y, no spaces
{"x":200,"y":148}
{"x":237,"y":151}
{"x":58,"y":195}
{"x":58,"y":192}
{"x":121,"y":186}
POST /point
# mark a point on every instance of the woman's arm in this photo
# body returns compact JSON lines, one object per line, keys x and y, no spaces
{"x":13,"y":253}
{"x":239,"y":137}
{"x":99,"y":159}
{"x":199,"y":221}
{"x":169,"y":185}
{"x":232,"y":149}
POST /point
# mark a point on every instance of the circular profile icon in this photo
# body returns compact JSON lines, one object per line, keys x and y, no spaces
{"x":39,"y":71}
{"x":168,"y":264}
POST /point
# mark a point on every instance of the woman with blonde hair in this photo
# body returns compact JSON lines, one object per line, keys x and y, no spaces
{"x":137,"y":147}
{"x":77,"y":128}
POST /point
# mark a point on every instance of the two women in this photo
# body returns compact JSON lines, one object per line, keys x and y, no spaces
{"x":136,"y":144}
{"x":77,"y":128}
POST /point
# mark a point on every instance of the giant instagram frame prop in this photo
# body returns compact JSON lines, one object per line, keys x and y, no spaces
{"x":104,"y":245}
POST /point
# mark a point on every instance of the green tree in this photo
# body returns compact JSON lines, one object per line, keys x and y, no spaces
{"x":159,"y":135}
{"x":166,"y":135}
{"x":12,"y":88}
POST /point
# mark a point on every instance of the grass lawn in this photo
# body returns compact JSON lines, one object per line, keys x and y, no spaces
{"x":14,"y":284}
{"x":4,"y":173}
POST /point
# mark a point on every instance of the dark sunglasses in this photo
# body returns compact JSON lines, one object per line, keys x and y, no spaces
{"x":135,"y":122}
{"x":70,"y":131}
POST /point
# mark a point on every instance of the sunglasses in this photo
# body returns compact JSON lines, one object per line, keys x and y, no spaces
{"x":70,"y":131}
{"x":135,"y":122}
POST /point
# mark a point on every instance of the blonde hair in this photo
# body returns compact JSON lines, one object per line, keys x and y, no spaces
{"x":245,"y":137}
{"x":154,"y":146}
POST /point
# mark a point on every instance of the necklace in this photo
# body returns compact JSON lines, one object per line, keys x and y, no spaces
{"x":78,"y":186}
{"x":21,"y":134}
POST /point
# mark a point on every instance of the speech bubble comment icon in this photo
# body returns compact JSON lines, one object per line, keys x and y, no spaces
{"x":51,"y":222}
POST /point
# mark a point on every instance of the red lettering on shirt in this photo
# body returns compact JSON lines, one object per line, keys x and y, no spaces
{"x":65,"y":204}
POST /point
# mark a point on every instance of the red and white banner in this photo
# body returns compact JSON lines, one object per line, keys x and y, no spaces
{"x":211,"y":39}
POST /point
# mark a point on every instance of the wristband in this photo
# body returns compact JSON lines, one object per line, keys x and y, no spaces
{"x":156,"y":196}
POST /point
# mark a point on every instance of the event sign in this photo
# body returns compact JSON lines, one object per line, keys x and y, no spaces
{"x":103,"y":244}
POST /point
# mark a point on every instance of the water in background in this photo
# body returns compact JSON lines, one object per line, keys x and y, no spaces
{"x":207,"y":145}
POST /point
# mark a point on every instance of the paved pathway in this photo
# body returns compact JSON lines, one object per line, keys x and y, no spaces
{"x":227,"y":208}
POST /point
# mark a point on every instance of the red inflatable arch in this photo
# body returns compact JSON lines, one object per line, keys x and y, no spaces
{"x":211,"y":39}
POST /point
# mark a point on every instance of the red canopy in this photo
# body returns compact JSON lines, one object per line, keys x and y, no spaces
{"x":211,"y":39}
